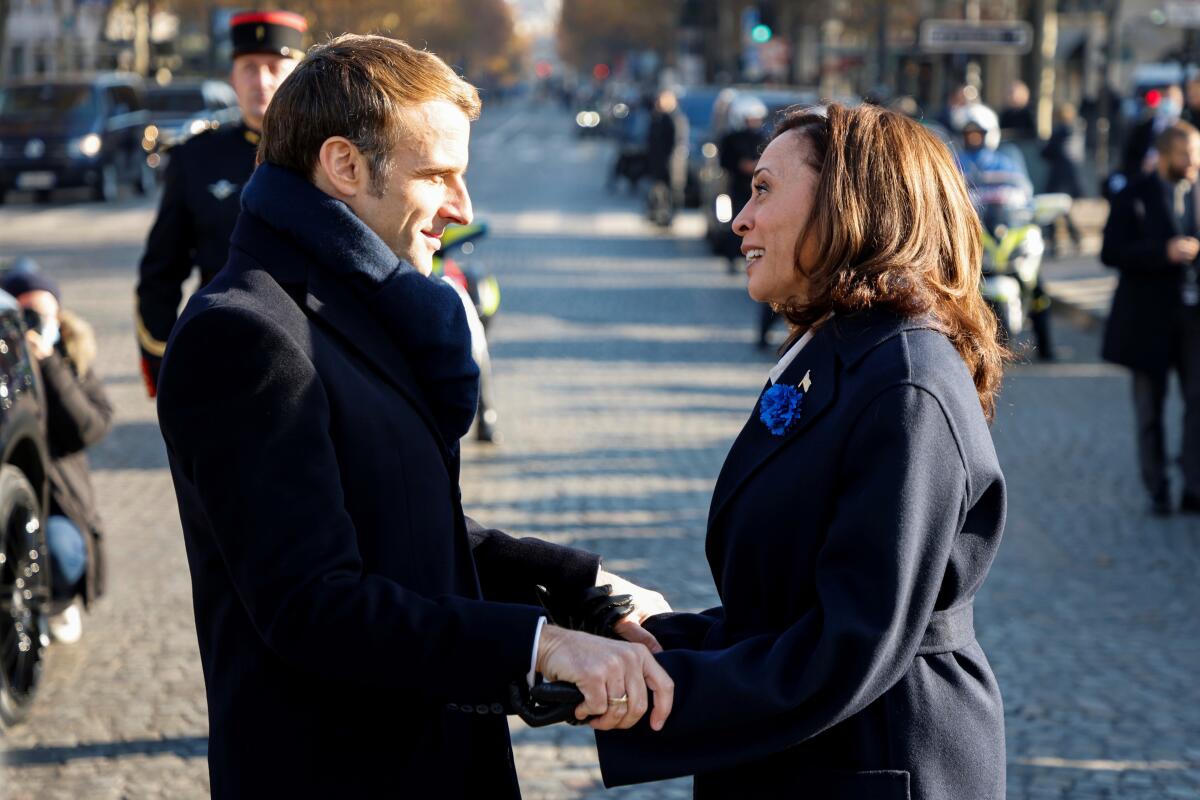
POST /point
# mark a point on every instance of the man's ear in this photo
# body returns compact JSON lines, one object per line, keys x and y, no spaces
{"x":341,"y":168}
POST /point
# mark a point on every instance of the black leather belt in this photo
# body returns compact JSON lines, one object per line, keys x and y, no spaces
{"x":949,"y":630}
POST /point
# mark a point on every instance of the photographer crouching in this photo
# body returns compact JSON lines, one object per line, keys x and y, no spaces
{"x":78,"y":415}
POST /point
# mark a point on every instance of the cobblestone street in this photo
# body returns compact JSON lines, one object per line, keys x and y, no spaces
{"x":625,"y":365}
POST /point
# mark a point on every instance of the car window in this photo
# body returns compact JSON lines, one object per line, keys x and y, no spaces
{"x":49,"y":101}
{"x":116,"y":104}
{"x":125,"y":100}
{"x":175,"y":100}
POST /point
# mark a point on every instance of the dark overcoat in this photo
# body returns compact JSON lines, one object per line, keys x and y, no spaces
{"x":1147,"y":306}
{"x":346,"y":647}
{"x":842,"y":663}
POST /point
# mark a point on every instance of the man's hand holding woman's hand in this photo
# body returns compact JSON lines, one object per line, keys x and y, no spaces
{"x":615,"y":677}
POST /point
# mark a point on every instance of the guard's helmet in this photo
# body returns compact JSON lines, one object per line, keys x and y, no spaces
{"x":978,"y":117}
{"x":744,"y":108}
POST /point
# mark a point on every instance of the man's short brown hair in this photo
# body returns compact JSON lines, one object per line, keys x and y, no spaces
{"x":1174,"y":133}
{"x":357,"y":87}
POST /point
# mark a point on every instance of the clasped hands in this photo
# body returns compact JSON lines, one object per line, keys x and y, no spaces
{"x":614,"y":676}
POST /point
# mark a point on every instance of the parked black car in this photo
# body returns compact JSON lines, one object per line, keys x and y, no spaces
{"x":182,"y":109}
{"x":72,"y":131}
{"x":24,"y":495}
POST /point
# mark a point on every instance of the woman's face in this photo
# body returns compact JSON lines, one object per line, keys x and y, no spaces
{"x":785,"y":186}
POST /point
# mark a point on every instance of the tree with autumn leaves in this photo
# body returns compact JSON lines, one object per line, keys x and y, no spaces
{"x":592,"y":32}
{"x":476,"y":36}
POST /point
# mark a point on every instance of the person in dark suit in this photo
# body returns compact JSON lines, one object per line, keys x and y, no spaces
{"x":204,"y":178}
{"x":861,"y":506}
{"x":1151,"y":238}
{"x":359,"y":636}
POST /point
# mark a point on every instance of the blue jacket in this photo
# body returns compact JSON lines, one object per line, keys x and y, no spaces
{"x":842,"y":663}
{"x":348,"y":648}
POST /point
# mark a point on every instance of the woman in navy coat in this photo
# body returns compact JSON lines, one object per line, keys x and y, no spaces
{"x":861,"y":506}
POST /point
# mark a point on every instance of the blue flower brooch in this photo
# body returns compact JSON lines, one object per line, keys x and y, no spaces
{"x":779,"y":408}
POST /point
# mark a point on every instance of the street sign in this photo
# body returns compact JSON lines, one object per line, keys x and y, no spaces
{"x":957,"y":36}
{"x":1183,"y":13}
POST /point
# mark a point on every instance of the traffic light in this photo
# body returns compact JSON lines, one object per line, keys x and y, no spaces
{"x":761,"y":33}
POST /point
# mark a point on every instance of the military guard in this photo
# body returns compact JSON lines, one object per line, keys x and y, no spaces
{"x":204,"y":180}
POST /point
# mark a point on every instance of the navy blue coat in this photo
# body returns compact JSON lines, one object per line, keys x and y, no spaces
{"x":842,"y":663}
{"x":336,"y":583}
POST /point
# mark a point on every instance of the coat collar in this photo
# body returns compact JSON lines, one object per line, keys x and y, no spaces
{"x":837,"y":347}
{"x":337,"y":310}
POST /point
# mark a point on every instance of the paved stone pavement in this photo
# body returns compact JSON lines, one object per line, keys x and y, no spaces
{"x":625,"y":367}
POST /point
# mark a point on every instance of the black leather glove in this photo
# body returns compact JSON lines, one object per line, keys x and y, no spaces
{"x":546,"y":703}
{"x":594,"y":611}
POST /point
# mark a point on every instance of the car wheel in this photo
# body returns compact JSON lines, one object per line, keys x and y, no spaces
{"x":24,"y":595}
{"x":108,"y":188}
{"x":42,"y":197}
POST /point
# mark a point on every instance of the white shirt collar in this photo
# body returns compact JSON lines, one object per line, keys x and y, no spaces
{"x":790,"y":356}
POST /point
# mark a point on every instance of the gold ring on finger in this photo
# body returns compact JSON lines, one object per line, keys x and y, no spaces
{"x":618,"y":701}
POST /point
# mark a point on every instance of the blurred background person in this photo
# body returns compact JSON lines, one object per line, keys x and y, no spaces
{"x":204,"y":180}
{"x":1191,"y":96}
{"x":1139,"y":155}
{"x":1016,"y":118}
{"x":1062,"y":154}
{"x":1154,"y":325}
{"x":739,"y":149}
{"x":959,"y":98}
{"x":666,"y":157}
{"x":78,"y":415}
{"x":632,"y":135}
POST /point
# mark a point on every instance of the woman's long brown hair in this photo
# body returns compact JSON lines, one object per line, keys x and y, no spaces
{"x":894,"y":228}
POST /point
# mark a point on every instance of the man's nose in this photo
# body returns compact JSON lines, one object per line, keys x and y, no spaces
{"x":457,"y":207}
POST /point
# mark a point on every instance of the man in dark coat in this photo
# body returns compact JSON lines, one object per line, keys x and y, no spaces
{"x":204,"y":178}
{"x":311,"y":400}
{"x":1154,"y":324}
{"x":78,"y":415}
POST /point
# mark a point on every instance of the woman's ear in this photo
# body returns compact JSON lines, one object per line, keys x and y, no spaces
{"x":341,"y":168}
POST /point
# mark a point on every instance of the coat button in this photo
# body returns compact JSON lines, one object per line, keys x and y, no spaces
{"x":481,"y":709}
{"x":452,"y":706}
{"x":497,"y":708}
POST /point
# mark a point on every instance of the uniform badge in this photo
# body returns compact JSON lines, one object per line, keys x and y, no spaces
{"x":222,"y":189}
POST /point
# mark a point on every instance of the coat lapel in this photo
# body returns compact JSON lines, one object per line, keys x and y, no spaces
{"x":839,"y":345}
{"x":756,"y":445}
{"x":1166,"y":203}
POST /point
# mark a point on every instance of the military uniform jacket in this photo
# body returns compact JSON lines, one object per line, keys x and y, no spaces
{"x":347,"y":647}
{"x":842,"y":664}
{"x":199,"y":207}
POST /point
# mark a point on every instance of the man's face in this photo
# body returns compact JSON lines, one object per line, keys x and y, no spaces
{"x":973,"y":138}
{"x":426,"y":189}
{"x":1181,"y":162}
{"x":255,"y":78}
